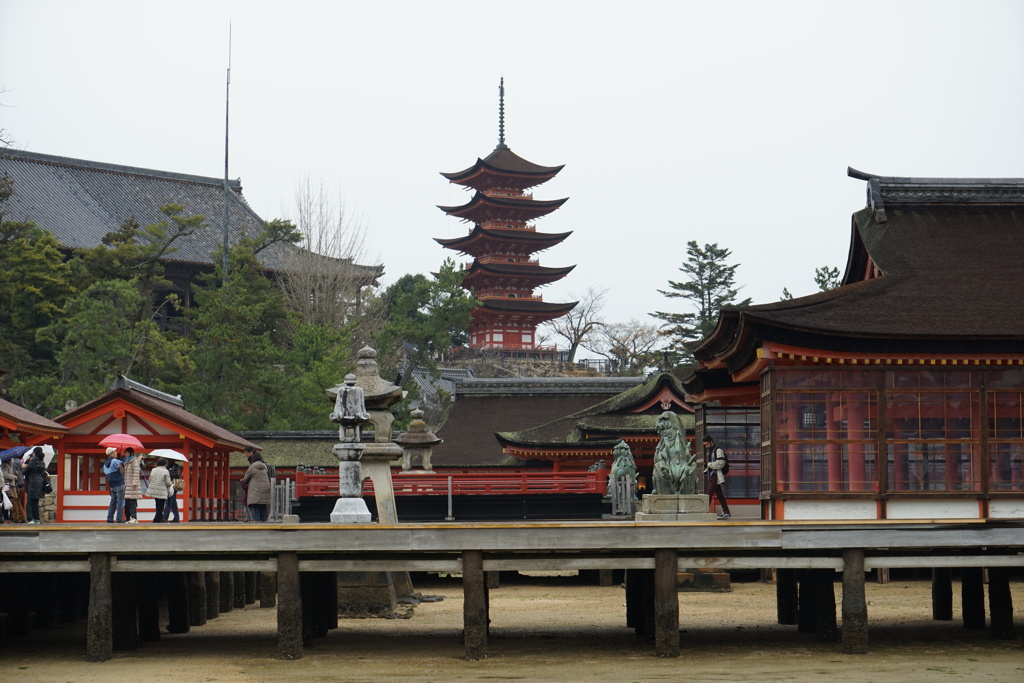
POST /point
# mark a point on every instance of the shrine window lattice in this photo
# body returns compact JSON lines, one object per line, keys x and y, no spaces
{"x":939,"y":430}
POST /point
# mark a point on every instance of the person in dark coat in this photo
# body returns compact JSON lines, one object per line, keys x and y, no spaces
{"x":112,"y":467}
{"x":35,"y":478}
{"x":257,"y":485}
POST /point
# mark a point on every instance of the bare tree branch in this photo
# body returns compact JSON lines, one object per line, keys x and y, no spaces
{"x":326,"y":283}
{"x":580,"y":324}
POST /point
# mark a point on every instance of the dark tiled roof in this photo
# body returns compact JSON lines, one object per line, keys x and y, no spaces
{"x":482,"y":206}
{"x":615,"y":415}
{"x":480,"y":237}
{"x":501,"y":161}
{"x":81,"y":201}
{"x":949,"y":282}
{"x":485,"y":406}
{"x":527,"y":306}
{"x":18,"y":419}
{"x":168,"y":411}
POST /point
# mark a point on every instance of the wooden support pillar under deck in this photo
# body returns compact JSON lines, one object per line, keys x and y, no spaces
{"x":212,"y":595}
{"x":177,"y":602}
{"x":942,"y":594}
{"x":825,"y":602}
{"x":196,"y":582}
{"x":666,"y":602}
{"x":99,"y":645}
{"x":855,"y":605}
{"x":289,"y":607}
{"x":972,"y":597}
{"x":474,"y":610}
{"x":807,"y":602}
{"x":125,"y":611}
{"x":786,"y":596}
{"x":227,"y":592}
{"x":1000,"y":603}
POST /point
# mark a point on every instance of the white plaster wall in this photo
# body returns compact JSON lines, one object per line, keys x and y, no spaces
{"x":830,"y":509}
{"x":1007,"y":509}
{"x":932,"y":509}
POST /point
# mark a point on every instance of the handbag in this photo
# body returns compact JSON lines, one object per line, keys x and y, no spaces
{"x":179,"y":484}
{"x":47,"y":487}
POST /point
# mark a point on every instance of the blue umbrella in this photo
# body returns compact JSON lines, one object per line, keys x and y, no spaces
{"x":15,"y":452}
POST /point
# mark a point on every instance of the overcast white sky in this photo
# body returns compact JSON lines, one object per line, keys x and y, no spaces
{"x":727,"y":122}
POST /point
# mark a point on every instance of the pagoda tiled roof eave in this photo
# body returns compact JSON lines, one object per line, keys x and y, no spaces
{"x":479,"y":233}
{"x":526,"y":306}
{"x":515,"y":203}
{"x":504,"y":162}
{"x":520,"y":269}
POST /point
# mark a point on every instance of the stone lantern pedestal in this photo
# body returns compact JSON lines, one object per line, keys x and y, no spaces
{"x":350,"y":508}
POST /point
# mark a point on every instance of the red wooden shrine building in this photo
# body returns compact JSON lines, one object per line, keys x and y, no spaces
{"x":158,"y":420}
{"x":899,"y":394}
{"x":21,"y":427}
{"x":502,"y":243}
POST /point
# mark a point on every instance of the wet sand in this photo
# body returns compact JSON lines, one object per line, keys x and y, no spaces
{"x":548,"y":630}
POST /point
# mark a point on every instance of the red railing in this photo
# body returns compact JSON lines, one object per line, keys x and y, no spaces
{"x":464,"y":483}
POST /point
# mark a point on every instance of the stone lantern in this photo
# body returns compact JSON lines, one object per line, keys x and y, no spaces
{"x":419,"y":442}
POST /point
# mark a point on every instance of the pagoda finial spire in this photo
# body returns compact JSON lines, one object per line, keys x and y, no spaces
{"x":501,"y":114}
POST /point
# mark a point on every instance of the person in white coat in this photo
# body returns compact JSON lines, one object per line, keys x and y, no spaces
{"x":160,"y":487}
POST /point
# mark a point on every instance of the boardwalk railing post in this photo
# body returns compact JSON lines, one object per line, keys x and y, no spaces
{"x":474,"y":611}
{"x":289,"y":607}
{"x":99,"y":645}
{"x":855,"y":606}
{"x":666,"y":602}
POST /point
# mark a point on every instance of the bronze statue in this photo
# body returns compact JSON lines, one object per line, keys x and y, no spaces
{"x":675,"y":467}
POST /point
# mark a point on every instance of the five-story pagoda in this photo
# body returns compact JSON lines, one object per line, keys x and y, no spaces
{"x":502,"y":242}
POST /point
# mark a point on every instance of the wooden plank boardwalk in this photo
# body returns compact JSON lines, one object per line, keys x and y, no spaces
{"x":654,"y":551}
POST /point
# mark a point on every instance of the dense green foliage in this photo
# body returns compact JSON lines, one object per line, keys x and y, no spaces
{"x":239,"y":354}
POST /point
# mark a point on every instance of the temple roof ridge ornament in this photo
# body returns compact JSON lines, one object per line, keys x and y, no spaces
{"x":896,"y":191}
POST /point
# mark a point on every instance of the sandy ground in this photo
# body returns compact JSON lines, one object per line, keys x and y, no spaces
{"x":548,"y":630}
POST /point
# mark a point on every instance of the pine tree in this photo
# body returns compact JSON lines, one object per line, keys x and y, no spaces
{"x":710,"y":286}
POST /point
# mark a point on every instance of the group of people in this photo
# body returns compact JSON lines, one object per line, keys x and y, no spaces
{"x":27,"y":476}
{"x":124,"y":483}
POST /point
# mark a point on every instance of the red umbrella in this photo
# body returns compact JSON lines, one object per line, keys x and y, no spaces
{"x":121,"y":441}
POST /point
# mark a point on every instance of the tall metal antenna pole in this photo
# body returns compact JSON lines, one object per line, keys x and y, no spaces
{"x":501,"y":114}
{"x":227,"y":111}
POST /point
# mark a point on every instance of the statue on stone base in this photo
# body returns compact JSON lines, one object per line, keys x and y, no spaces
{"x":675,"y":467}
{"x":624,"y":467}
{"x":350,"y":411}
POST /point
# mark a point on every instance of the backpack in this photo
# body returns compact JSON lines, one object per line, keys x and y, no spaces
{"x":725,"y":467}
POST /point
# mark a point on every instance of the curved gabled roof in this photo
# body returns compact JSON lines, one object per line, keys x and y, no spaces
{"x":14,"y":418}
{"x":481,"y":239}
{"x":482,"y":208}
{"x":176,"y":414}
{"x":947,"y":258}
{"x":526,"y":306}
{"x":633,"y":411}
{"x":503,"y":162}
{"x":535,"y":274}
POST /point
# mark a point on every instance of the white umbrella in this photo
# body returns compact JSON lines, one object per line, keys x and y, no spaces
{"x":48,"y":454}
{"x":169,"y":454}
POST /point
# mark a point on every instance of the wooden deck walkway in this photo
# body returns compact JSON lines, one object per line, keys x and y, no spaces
{"x":653,"y":550}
